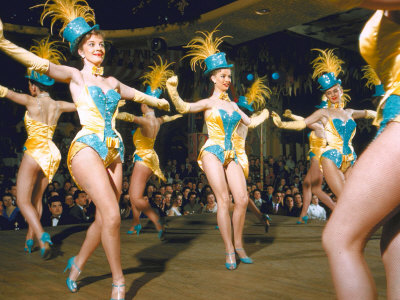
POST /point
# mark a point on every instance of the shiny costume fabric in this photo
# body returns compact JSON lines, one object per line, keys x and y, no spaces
{"x":339,"y":149}
{"x":317,"y":146}
{"x":239,"y":145}
{"x":145,"y":153}
{"x":97,"y":111}
{"x":220,"y":127}
{"x":40,"y":146}
{"x":379,"y":43}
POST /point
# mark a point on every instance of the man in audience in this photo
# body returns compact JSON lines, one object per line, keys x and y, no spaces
{"x":269,"y":195}
{"x":298,"y":202}
{"x":78,"y":212}
{"x":57,"y":216}
{"x":276,"y":207}
{"x":192,"y":207}
{"x":257,"y":198}
{"x":290,"y":209}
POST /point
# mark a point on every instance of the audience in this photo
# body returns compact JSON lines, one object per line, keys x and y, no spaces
{"x":277,"y":192}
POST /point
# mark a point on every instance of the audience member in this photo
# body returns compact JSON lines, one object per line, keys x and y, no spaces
{"x":192,"y":207}
{"x":57,"y":216}
{"x":211,"y":206}
{"x":78,"y":212}
{"x":315,"y":211}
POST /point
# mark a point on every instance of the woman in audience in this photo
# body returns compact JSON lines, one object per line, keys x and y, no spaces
{"x":176,"y":205}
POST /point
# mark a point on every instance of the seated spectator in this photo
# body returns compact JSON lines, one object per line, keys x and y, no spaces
{"x":57,"y":216}
{"x":211,"y":206}
{"x":192,"y":207}
{"x":290,"y":210}
{"x":5,"y":224}
{"x":315,"y":211}
{"x":298,"y":202}
{"x":185,"y":196}
{"x":167,"y":202}
{"x":257,"y":198}
{"x":10,"y":211}
{"x":125,"y":207}
{"x":175,"y":208}
{"x":157,"y":203}
{"x":78,"y":212}
{"x":276,"y":207}
{"x":64,"y":191}
{"x":269,"y":194}
{"x":68,"y":203}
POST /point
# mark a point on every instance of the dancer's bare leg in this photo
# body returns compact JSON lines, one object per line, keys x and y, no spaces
{"x":28,"y":173}
{"x":216,"y":178}
{"x":390,"y":249}
{"x":358,"y":213}
{"x":307,"y":195}
{"x":104,"y":190}
{"x":333,"y":176}
{"x":237,"y":186}
{"x":316,"y":185}
{"x":136,"y":217}
{"x":252,"y":206}
{"x":37,"y":195}
{"x":139,"y":178}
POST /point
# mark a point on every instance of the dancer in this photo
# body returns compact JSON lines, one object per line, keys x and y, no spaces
{"x":312,"y":183}
{"x":256,"y":95}
{"x":217,"y":157}
{"x":371,"y":196}
{"x":97,"y":148}
{"x":338,"y":123}
{"x":41,"y":156}
{"x":145,"y":158}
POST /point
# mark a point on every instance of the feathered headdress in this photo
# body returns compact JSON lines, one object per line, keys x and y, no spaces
{"x":157,"y":77}
{"x":371,"y":76}
{"x":326,"y":62}
{"x":204,"y":51}
{"x":45,"y":49}
{"x":74,"y":15}
{"x":66,"y":11}
{"x":257,"y":93}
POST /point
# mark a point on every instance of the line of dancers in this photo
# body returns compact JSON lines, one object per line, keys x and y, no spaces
{"x":98,"y":148}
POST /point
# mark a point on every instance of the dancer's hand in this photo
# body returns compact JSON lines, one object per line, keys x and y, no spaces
{"x":1,"y":30}
{"x":277,"y":119}
{"x":172,"y":82}
{"x":287,"y":113}
{"x":3,"y":91}
{"x":163,"y":104}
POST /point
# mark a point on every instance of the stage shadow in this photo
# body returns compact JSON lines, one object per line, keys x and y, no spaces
{"x":58,"y":239}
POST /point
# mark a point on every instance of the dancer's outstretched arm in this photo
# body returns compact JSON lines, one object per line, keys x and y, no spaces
{"x":363,"y":114}
{"x":166,"y":119}
{"x":258,"y":118}
{"x":288,"y":114}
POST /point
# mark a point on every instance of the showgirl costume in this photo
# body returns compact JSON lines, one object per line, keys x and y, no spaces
{"x":379,"y":46}
{"x":97,"y":109}
{"x":255,"y":94}
{"x":338,"y":133}
{"x":220,"y":124}
{"x":144,"y":145}
{"x":39,"y":144}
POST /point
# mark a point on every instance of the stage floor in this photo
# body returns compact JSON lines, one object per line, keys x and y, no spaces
{"x":289,"y":263}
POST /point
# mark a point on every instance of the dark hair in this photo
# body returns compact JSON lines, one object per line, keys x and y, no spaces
{"x":41,"y":87}
{"x":77,"y":193}
{"x":6,"y":195}
{"x":53,"y":199}
{"x":192,"y":193}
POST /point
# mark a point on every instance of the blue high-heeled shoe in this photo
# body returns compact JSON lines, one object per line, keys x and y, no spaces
{"x":118,"y":286}
{"x":305,"y":219}
{"x":246,"y":260}
{"x":71,"y":284}
{"x":45,"y":238}
{"x":29,"y":245}
{"x":230,"y":266}
{"x":136,"y":228}
{"x":161,"y":234}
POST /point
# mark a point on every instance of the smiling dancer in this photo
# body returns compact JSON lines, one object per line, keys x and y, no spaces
{"x":97,"y":148}
{"x":312,"y":183}
{"x":145,"y":158}
{"x":254,"y":99}
{"x":371,"y":196}
{"x":217,"y":157}
{"x":41,"y":156}
{"x":338,"y":123}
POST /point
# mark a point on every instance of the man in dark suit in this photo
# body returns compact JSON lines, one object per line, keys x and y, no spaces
{"x":276,"y":207}
{"x":78,"y":212}
{"x":57,"y":216}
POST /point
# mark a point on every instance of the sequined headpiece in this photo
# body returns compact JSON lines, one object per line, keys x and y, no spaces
{"x":373,"y":81}
{"x":256,"y":94}
{"x":156,"y":78}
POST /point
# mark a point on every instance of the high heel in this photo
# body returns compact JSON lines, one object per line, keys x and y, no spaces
{"x":230,"y":266}
{"x":246,"y":260}
{"x":136,"y":228}
{"x":71,"y":284}
{"x":305,"y":219}
{"x":45,"y":251}
{"x":161,"y":234}
{"x":29,"y":245}
{"x":266,"y":220}
{"x":118,"y":295}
